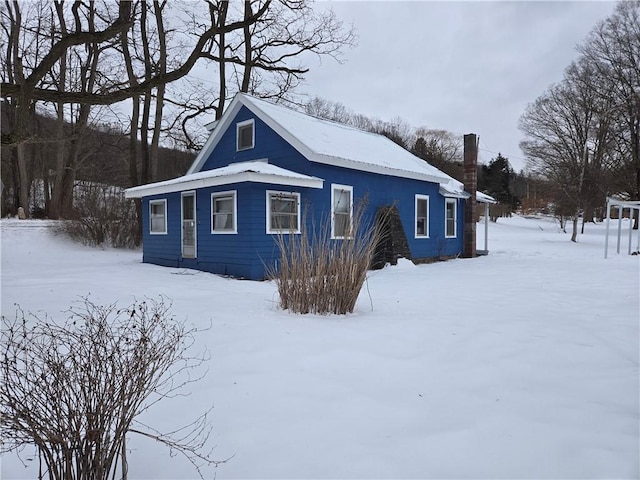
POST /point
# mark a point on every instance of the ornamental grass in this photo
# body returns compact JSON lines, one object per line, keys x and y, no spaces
{"x":320,"y":275}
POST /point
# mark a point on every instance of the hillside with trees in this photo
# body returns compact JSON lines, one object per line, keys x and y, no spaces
{"x":127,"y":65}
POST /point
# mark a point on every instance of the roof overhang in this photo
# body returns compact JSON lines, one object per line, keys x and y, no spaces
{"x":446,"y":191}
{"x":366,"y":167}
{"x":617,"y":202}
{"x":484,"y":198}
{"x":195,"y":181}
{"x":240,"y":100}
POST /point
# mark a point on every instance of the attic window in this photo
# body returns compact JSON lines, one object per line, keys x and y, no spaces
{"x":245,"y":134}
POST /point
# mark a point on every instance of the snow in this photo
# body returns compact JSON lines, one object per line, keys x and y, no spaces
{"x":334,"y":139}
{"x":361,"y":150}
{"x":255,"y":171}
{"x":520,"y":364}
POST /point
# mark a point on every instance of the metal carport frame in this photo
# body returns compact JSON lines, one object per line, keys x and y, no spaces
{"x":632,"y":205}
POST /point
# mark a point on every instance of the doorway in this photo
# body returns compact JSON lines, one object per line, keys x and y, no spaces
{"x":189,"y":225}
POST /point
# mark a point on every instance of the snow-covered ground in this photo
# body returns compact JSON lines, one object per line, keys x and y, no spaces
{"x":520,"y":364}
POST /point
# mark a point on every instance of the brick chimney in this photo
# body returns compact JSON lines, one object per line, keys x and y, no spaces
{"x":470,"y":186}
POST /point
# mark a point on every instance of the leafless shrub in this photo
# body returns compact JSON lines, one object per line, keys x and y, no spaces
{"x":104,"y":216}
{"x":321,"y":275}
{"x":74,"y":389}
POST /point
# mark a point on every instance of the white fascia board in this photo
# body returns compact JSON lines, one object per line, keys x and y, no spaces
{"x":382,"y":170}
{"x":279,"y":129}
{"x":449,"y":194}
{"x":193,"y":184}
{"x":484,"y":198}
{"x":343,"y":162}
{"x":216,"y":134}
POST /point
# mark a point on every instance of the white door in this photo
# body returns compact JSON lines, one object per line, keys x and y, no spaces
{"x":189,"y":225}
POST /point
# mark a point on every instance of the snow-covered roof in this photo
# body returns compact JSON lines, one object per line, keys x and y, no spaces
{"x":455,"y":189}
{"x":254,"y":171}
{"x":484,"y":198}
{"x":327,"y":142}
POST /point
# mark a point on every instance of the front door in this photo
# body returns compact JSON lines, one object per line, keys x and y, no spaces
{"x":189,"y":225}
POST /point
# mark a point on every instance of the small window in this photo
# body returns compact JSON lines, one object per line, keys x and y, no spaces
{"x":422,"y":216}
{"x":245,"y":135}
{"x":158,"y":217}
{"x":223,"y":212}
{"x":451,"y":218}
{"x":341,"y":210}
{"x":283,"y":212}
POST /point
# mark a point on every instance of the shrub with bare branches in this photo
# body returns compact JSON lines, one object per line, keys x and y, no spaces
{"x":318,"y":274}
{"x":74,"y":390}
{"x":104,"y":216}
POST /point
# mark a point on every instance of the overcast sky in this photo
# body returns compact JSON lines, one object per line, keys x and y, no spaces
{"x":466,"y":67}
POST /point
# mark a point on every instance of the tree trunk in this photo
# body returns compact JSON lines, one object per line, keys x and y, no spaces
{"x":24,"y":179}
{"x":574,"y":234}
{"x":162,"y":68}
{"x":248,"y":50}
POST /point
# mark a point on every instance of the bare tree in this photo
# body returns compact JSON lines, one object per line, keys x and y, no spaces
{"x":438,"y":147}
{"x":100,"y":53}
{"x":265,"y":57}
{"x":612,"y":49}
{"x":74,"y":390}
{"x":33,"y":53}
{"x":567,"y":139}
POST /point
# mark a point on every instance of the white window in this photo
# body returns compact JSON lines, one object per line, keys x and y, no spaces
{"x":223,"y":212}
{"x":245,"y":134}
{"x":450,"y":218}
{"x":341,"y":210}
{"x":422,"y":216}
{"x":158,"y":217}
{"x":283,"y":212}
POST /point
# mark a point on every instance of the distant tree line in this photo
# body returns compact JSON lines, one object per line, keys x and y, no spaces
{"x":583,"y":134}
{"x":65,"y":65}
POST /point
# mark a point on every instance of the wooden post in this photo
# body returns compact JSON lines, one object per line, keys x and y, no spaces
{"x":470,"y":185}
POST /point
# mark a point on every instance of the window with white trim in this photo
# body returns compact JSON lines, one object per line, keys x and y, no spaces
{"x":451,"y":218}
{"x":245,"y":135}
{"x":283,"y":212}
{"x":341,"y":210}
{"x":158,"y":217}
{"x":422,"y":216}
{"x":223,"y":212}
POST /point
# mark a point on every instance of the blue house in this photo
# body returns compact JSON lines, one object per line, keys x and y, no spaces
{"x":266,"y":167}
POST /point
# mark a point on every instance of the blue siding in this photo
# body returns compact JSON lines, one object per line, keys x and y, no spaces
{"x":246,"y":253}
{"x":379,"y":189}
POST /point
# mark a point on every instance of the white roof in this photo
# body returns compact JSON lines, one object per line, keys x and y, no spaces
{"x":455,"y":189}
{"x":254,"y":171}
{"x":484,"y":198}
{"x":327,"y":142}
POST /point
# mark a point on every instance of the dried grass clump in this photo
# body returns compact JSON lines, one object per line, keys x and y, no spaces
{"x":319,"y":275}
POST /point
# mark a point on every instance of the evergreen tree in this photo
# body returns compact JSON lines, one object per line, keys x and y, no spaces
{"x":495,"y":180}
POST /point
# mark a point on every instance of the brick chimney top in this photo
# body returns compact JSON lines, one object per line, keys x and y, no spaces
{"x":470,"y":186}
